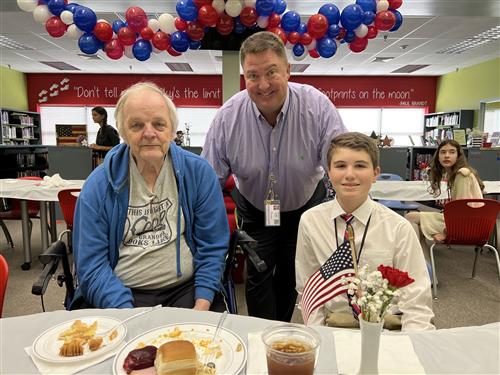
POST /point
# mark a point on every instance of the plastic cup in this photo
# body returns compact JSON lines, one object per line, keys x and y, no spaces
{"x":291,"y":349}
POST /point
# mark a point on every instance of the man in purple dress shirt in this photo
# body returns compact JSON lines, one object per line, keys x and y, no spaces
{"x":273,"y":137}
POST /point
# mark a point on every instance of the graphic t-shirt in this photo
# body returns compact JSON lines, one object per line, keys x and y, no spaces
{"x":147,"y":257}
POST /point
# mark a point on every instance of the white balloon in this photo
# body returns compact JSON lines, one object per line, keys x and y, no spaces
{"x":27,"y":5}
{"x":41,"y":14}
{"x":103,"y":20}
{"x":219,"y":6}
{"x":361,"y":31}
{"x":127,"y":51}
{"x":67,"y":17}
{"x":154,"y":24}
{"x":74,"y":32}
{"x":262,"y":21}
{"x":311,"y":45}
{"x":167,"y":23}
{"x":233,"y":8}
{"x":382,"y":6}
{"x":250,"y":3}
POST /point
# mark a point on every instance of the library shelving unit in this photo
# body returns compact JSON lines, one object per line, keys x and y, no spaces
{"x":19,"y":127}
{"x":441,"y":125}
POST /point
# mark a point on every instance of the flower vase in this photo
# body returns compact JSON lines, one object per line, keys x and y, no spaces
{"x":370,"y":340}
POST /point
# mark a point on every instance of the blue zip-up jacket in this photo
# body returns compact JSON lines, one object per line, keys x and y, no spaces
{"x":100,"y":217}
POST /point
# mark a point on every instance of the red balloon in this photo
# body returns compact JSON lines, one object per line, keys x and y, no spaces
{"x":341,"y":35}
{"x":317,"y":26}
{"x":136,"y":18}
{"x":385,"y":20}
{"x":395,"y":4}
{"x":200,"y":3}
{"x":180,"y":24}
{"x":161,"y":40}
{"x":305,"y":39}
{"x":358,"y":44}
{"x":55,"y":27}
{"x":195,"y":31}
{"x":248,"y":16}
{"x":314,"y":53}
{"x":372,"y":32}
{"x":126,"y":36}
{"x":114,"y":49}
{"x":273,"y":20}
{"x":103,"y":31}
{"x":225,"y":24}
{"x":294,"y":37}
{"x":173,"y":52}
{"x":280,"y":32}
{"x":147,"y":33}
{"x":207,"y":16}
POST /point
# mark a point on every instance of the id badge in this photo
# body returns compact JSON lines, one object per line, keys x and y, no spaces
{"x":272,"y":213}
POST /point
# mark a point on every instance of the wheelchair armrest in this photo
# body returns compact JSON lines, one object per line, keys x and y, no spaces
{"x":55,"y":251}
{"x":41,"y":284}
{"x":248,"y":245}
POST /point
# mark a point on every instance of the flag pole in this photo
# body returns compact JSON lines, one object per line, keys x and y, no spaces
{"x":350,"y":233}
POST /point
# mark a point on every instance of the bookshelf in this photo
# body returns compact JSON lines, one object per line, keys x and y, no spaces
{"x":19,"y":127}
{"x":441,"y":125}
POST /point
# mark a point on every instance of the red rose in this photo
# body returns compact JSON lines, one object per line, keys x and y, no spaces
{"x":395,"y":277}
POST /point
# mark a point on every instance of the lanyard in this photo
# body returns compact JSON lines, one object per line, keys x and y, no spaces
{"x":362,"y":240}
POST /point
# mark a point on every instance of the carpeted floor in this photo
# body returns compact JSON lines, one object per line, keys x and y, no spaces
{"x":462,"y":301}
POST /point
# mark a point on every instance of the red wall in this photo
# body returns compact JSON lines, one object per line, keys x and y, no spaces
{"x":206,"y":90}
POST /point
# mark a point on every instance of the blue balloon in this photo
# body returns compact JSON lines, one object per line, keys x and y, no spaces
{"x":290,"y":21}
{"x":349,"y":36}
{"x":194,"y":44}
{"x":331,"y":12}
{"x":179,"y":41}
{"x":298,"y":49}
{"x":302,"y":28}
{"x":42,"y":2}
{"x":84,"y":18}
{"x":368,"y":5}
{"x":280,"y":6}
{"x":265,"y":7}
{"x":368,"y":17}
{"x":88,"y":43}
{"x":187,"y":10}
{"x":142,"y":49}
{"x":326,"y":47}
{"x":333,"y":31}
{"x":117,"y":25}
{"x":72,"y":7}
{"x":352,"y":16}
{"x":56,"y":7}
{"x":239,"y":28}
{"x":399,"y":19}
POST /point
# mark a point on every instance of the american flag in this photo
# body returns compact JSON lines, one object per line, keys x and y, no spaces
{"x":68,"y":134}
{"x":327,"y":282}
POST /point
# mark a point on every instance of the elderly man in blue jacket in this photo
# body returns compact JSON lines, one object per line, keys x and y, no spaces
{"x":150,"y":224}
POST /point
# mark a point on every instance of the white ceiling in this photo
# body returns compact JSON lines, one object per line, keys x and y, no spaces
{"x":428,"y":26}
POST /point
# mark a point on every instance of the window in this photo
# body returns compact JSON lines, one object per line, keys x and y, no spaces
{"x":397,"y":123}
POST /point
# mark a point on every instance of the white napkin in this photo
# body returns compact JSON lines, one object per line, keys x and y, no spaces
{"x":256,"y":362}
{"x":396,"y":353}
{"x":50,"y":368}
{"x":54,"y":181}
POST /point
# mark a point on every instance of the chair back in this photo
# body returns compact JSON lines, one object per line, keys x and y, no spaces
{"x":4,"y":276}
{"x":389,"y":177}
{"x":67,"y":201}
{"x":470,"y":221}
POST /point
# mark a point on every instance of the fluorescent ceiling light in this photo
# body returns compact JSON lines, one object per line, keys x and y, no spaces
{"x":473,"y":42}
{"x":6,"y":42}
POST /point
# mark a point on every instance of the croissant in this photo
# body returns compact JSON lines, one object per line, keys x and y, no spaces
{"x":71,"y":349}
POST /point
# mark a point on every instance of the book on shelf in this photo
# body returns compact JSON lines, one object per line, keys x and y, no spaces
{"x":459,"y":136}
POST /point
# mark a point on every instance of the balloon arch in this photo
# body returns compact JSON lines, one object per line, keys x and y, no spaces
{"x":139,"y":36}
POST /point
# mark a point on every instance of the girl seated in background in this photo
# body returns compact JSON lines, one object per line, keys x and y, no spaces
{"x":448,"y":164}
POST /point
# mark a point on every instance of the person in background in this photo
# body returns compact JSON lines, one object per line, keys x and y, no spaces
{"x":150,"y":223}
{"x":179,"y":138}
{"x":381,"y":236}
{"x":272,"y":137}
{"x":448,"y":164}
{"x":107,"y":136}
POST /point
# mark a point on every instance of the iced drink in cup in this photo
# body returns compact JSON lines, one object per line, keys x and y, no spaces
{"x":290,"y":349}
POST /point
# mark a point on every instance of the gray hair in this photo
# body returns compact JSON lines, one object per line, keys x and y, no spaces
{"x":260,"y":42}
{"x":172,"y":112}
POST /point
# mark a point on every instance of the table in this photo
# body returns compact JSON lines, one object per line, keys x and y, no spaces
{"x":467,"y":350}
{"x":34,"y":190}
{"x":417,"y":190}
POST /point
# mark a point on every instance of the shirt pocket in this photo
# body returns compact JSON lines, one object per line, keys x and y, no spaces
{"x":377,"y":257}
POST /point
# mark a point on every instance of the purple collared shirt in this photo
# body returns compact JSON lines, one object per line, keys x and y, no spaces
{"x":241,"y":142}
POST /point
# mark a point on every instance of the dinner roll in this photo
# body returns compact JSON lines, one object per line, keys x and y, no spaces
{"x":176,"y":358}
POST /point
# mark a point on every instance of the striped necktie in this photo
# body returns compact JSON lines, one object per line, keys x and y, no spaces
{"x":348,"y":218}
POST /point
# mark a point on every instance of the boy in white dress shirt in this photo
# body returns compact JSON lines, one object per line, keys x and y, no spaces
{"x":381,"y":236}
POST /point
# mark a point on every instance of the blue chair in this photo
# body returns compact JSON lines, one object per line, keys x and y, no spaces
{"x":395,"y":205}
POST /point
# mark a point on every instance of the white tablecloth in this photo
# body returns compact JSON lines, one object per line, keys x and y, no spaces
{"x":33,"y":190}
{"x":469,"y":350}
